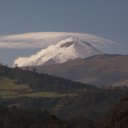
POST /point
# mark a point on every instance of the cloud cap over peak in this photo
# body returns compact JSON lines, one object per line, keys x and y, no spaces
{"x":43,"y":39}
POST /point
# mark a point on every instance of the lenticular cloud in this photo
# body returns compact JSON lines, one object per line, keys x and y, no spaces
{"x":44,"y":39}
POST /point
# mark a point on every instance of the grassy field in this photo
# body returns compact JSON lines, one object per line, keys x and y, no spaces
{"x":9,"y":84}
{"x":49,"y":94}
{"x":9,"y":88}
{"x":11,"y":94}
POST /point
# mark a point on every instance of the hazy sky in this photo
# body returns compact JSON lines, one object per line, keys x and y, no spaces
{"x":104,"y":18}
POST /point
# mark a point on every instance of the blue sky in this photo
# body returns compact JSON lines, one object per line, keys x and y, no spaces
{"x":104,"y":18}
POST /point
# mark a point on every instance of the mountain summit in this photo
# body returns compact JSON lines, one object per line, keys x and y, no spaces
{"x":69,"y":47}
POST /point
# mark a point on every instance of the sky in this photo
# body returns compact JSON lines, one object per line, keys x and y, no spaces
{"x":104,"y":18}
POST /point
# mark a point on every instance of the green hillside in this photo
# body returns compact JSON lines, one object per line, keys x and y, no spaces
{"x":16,"y":83}
{"x":10,"y":89}
{"x":41,"y":82}
{"x":79,"y":104}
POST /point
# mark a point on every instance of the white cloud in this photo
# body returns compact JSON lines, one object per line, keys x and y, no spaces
{"x":44,"y":39}
{"x":31,"y":40}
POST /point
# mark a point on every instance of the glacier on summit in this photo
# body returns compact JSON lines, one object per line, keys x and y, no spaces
{"x":62,"y":47}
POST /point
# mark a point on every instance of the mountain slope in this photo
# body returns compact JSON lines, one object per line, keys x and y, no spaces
{"x":38,"y":82}
{"x":110,"y":70}
{"x":62,"y":47}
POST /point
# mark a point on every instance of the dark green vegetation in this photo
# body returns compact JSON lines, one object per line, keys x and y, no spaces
{"x":23,"y":118}
{"x":119,"y":115}
{"x":81,"y":105}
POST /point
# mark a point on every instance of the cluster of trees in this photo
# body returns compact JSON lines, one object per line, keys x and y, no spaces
{"x":13,"y":117}
{"x":24,"y":118}
{"x":119,"y":116}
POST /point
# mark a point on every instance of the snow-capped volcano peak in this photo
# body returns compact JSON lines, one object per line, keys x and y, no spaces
{"x":68,"y":49}
{"x":62,"y":47}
